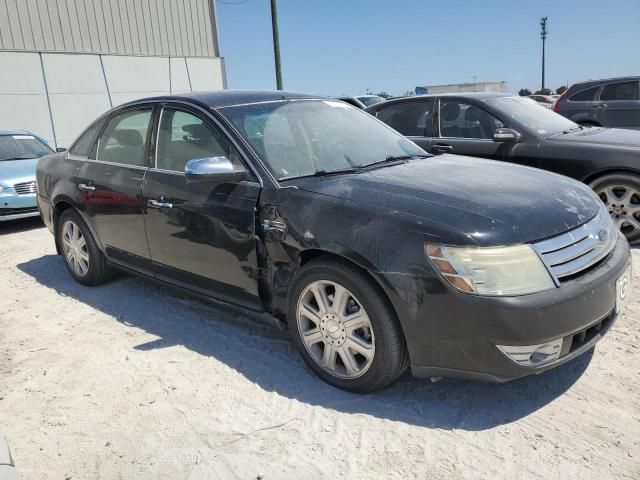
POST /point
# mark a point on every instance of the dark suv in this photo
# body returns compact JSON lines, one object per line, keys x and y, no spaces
{"x":612,"y":102}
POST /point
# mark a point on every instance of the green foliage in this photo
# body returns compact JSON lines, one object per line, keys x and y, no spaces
{"x":524,"y":92}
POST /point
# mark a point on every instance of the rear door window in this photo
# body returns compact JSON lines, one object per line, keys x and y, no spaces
{"x":123,"y":140}
{"x":620,"y":91}
{"x":588,"y":95}
{"x":84,"y":144}
{"x":412,"y":119}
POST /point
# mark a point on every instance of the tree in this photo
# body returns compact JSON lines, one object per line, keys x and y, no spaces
{"x":544,"y":91}
{"x":561,"y":90}
{"x":524,"y":92}
{"x":384,"y":95}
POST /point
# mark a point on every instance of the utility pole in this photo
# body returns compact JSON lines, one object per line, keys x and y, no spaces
{"x":276,"y":43}
{"x":543,"y":36}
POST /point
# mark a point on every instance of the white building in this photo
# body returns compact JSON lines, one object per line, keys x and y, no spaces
{"x":498,"y":87}
{"x":63,"y":63}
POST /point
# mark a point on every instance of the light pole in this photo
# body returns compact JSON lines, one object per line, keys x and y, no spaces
{"x":543,"y":36}
{"x":276,"y":43}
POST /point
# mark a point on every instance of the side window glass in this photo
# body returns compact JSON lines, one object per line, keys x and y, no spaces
{"x":462,"y":120}
{"x":620,"y":91}
{"x":412,"y":119}
{"x":84,"y":144}
{"x":124,"y":138}
{"x":588,"y":95}
{"x":184,"y":136}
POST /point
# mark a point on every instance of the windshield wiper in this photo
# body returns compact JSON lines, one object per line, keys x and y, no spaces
{"x":573,"y":129}
{"x":390,"y":160}
{"x":323,"y":173}
{"x":394,"y":159}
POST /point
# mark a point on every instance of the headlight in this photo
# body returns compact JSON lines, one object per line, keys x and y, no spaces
{"x":514,"y":270}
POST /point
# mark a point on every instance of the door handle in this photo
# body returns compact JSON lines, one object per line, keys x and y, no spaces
{"x":159,"y":204}
{"x":86,"y":188}
{"x":439,"y":148}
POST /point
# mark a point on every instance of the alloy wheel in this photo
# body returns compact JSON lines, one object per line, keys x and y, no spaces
{"x":335,"y":329}
{"x":74,"y":247}
{"x":623,"y":203}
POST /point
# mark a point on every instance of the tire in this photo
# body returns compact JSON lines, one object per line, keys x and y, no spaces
{"x":621,"y":193}
{"x":90,"y":266}
{"x":335,"y":331}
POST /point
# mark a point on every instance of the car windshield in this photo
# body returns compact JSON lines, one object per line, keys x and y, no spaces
{"x":370,"y":100}
{"x":532,"y":115}
{"x":306,"y":137}
{"x":21,"y":147}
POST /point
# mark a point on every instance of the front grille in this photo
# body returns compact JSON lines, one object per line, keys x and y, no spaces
{"x":25,"y":188}
{"x":17,"y":211}
{"x":577,"y":250}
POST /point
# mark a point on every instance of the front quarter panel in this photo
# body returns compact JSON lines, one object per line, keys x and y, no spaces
{"x":294,"y":221}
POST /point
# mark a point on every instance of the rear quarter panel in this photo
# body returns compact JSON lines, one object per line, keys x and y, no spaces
{"x":55,"y":176}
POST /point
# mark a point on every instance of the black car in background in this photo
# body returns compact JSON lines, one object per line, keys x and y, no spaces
{"x":377,"y":255}
{"x":518,"y":130}
{"x":611,"y":102}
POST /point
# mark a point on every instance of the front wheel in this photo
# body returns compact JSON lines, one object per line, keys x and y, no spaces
{"x":345,"y":328}
{"x":621,"y":194}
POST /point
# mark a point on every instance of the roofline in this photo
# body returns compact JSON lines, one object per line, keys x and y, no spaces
{"x":609,"y":79}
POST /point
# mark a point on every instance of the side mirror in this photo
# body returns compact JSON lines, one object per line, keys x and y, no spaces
{"x":212,"y":169}
{"x":60,"y":149}
{"x":504,"y":135}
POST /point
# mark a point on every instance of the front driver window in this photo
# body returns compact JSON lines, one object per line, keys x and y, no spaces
{"x":184,"y":136}
{"x":463,"y":120}
{"x":124,"y":138}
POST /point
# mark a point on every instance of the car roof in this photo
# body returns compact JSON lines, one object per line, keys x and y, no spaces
{"x":227,"y":98}
{"x":15,"y":132}
{"x":605,"y":80}
{"x":476,"y":95}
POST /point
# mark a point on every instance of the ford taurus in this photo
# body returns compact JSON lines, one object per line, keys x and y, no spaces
{"x":375,"y":254}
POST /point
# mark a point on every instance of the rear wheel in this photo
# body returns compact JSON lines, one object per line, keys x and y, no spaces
{"x":345,"y":328}
{"x":621,"y":194}
{"x":83,"y":258}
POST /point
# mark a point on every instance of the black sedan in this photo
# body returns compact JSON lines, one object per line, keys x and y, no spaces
{"x":376,"y":255}
{"x":518,"y":130}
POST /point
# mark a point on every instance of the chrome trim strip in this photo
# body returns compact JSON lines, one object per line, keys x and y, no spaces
{"x":578,"y":249}
{"x":84,"y":159}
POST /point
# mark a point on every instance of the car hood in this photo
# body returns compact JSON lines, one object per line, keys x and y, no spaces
{"x":466,"y":200}
{"x":14,"y":171}
{"x":612,"y":137}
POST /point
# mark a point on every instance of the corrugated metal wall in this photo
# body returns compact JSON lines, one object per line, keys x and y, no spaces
{"x":185,"y":28}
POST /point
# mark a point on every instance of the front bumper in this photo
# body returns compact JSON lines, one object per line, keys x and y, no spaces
{"x":456,"y":335}
{"x":14,"y":207}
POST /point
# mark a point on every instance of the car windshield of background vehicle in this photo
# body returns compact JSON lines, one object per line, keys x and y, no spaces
{"x":532,"y":115}
{"x":22,"y":147}
{"x":368,"y":101}
{"x":307,"y":137}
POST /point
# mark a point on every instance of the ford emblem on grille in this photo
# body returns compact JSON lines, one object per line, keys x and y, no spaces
{"x":602,"y":236}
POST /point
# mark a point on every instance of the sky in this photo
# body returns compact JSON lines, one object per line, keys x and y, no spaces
{"x":344,"y":47}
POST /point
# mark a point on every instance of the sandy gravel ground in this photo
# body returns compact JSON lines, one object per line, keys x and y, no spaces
{"x":132,"y":380}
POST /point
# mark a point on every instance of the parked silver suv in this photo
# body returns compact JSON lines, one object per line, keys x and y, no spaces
{"x":612,"y":102}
